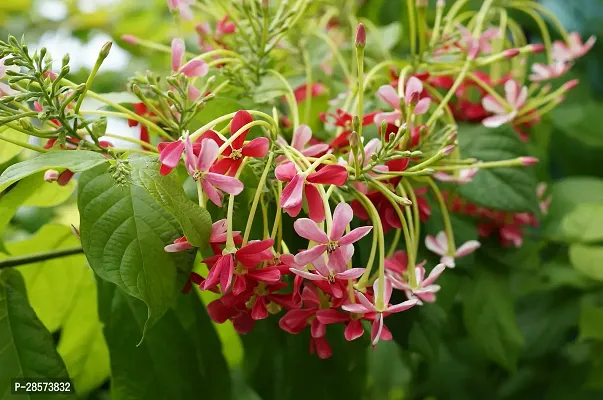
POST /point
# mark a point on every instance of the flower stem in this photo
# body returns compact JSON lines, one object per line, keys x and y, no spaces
{"x":290,"y":98}
{"x":256,"y":199}
{"x":230,"y":244}
{"x":445,"y":216}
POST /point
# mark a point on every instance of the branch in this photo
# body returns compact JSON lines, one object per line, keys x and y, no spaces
{"x":37,"y":257}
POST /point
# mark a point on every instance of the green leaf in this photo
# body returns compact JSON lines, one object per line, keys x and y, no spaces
{"x":508,"y":189}
{"x":167,"y":364}
{"x":269,"y":88}
{"x":49,"y":194}
{"x":567,"y":194}
{"x":124,"y":232}
{"x":583,"y":224}
{"x":165,"y":190}
{"x":75,"y":160}
{"x":587,"y":259}
{"x":591,"y":322}
{"x":27,"y":347}
{"x":389,"y":35}
{"x":9,"y":150}
{"x":575,"y":119}
{"x":490,"y":319}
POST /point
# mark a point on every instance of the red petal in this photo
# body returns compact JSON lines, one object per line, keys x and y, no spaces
{"x":331,"y":174}
{"x":240,"y":119}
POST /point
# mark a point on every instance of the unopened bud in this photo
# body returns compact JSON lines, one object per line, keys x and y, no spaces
{"x":130,"y":39}
{"x":65,"y":60}
{"x":571,"y":84}
{"x":537,"y":48}
{"x":510,"y":53}
{"x":416,"y":153}
{"x":451,"y":138}
{"x":26,"y":124}
{"x":51,"y":175}
{"x":392,"y":136}
{"x":137,"y":91}
{"x":356,"y":123}
{"x":104,"y":52}
{"x":527,"y":161}
{"x":80,"y":88}
{"x":265,"y":4}
{"x":446,"y":151}
{"x":360,"y":36}
{"x":99,"y":127}
{"x":422,"y":3}
{"x":354,"y":139}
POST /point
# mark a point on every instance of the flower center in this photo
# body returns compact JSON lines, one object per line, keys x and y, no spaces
{"x":199,"y":175}
{"x":331,"y":278}
{"x":332,"y":246}
{"x":240,"y":269}
{"x":236,"y":154}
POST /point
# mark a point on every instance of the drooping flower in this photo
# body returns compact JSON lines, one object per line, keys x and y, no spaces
{"x":573,"y":49}
{"x":353,"y":329}
{"x":192,"y":69}
{"x":516,"y":96}
{"x":473,"y":47}
{"x":183,"y":7}
{"x":366,"y":306}
{"x":542,"y":72}
{"x":439,"y":245}
{"x":301,"y":185}
{"x":412,"y":94}
{"x":343,"y":119}
{"x":199,"y":169}
{"x":301,"y":92}
{"x":465,"y":176}
{"x":335,"y":244}
{"x":217,"y":236}
{"x":424,"y":288}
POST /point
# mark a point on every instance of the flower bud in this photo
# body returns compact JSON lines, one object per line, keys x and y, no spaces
{"x":537,"y":48}
{"x":51,"y":175}
{"x":446,"y":151}
{"x":354,"y":139}
{"x":527,"y":161}
{"x":65,"y":60}
{"x":130,"y":39}
{"x":510,"y":53}
{"x":571,"y":84}
{"x":360,"y":36}
{"x":104,"y":52}
{"x":356,"y":123}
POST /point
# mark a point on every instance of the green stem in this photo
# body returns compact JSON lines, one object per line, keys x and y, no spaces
{"x":445,"y":216}
{"x":290,"y":98}
{"x":23,"y":144}
{"x":410,"y":5}
{"x":37,"y":257}
{"x":256,"y":198}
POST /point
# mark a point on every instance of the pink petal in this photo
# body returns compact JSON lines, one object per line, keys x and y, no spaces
{"x":301,"y":137}
{"x":353,"y":273}
{"x":467,"y":248}
{"x":208,"y":154}
{"x":434,"y":274}
{"x":308,"y":229}
{"x":307,"y":275}
{"x":258,"y":310}
{"x":448,"y":261}
{"x":331,"y":316}
{"x":285,"y":172}
{"x":175,"y":247}
{"x":316,"y":209}
{"x":307,"y":256}
{"x":355,"y":235}
{"x":353,"y":330}
{"x":521,"y":98}
{"x":177,"y":53}
{"x":292,"y":195}
{"x":330,"y":174}
{"x":226,"y":274}
{"x":432,"y":245}
{"x":402,"y":306}
{"x":256,"y":148}
{"x":317,"y":329}
{"x":213,"y":277}
{"x":422,"y":106}
{"x":195,"y":68}
{"x":225,"y":183}
{"x":498,"y":120}
{"x":341,"y":218}
{"x":171,"y":154}
{"x":491,"y":105}
{"x":211,"y":193}
{"x":376,"y":329}
{"x":389,"y":95}
{"x":365,"y":302}
{"x":387,"y":290}
{"x":389,"y":117}
{"x":315,"y":150}
{"x":321,"y":266}
{"x":337,"y":260}
{"x":511,"y":91}
{"x":427,"y":297}
{"x":356,"y":308}
{"x":414,"y":88}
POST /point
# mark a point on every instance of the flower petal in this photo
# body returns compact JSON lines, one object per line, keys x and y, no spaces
{"x":422,"y":106}
{"x":331,"y":316}
{"x":308,"y":229}
{"x":307,"y":275}
{"x":225,"y":183}
{"x":353,"y":273}
{"x":301,"y":137}
{"x":330,"y":174}
{"x":292,"y":195}
{"x":433,"y":275}
{"x":402,"y":306}
{"x":258,"y":147}
{"x":316,"y":209}
{"x":355,"y":235}
{"x":356,"y":308}
{"x":376,"y":329}
{"x":433,"y":246}
{"x":240,"y":119}
{"x":170,"y":154}
{"x":341,"y":218}
{"x":211,"y":193}
{"x":353,"y":330}
{"x":389,"y":95}
{"x":195,"y":68}
{"x":317,"y":329}
{"x":414,"y":88}
{"x":305,"y":257}
{"x":177,"y":53}
{"x":209,"y":153}
{"x":467,"y":248}
{"x":285,"y":172}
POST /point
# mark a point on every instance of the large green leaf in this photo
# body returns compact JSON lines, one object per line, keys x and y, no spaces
{"x":591,"y":322}
{"x":27,"y":347}
{"x":490,"y":318}
{"x":74,"y":160}
{"x":124,"y":232}
{"x":587,"y":259}
{"x":576,"y":120}
{"x":509,"y":189}
{"x":583,"y":224}
{"x":9,"y":150}
{"x":176,"y":357}
{"x":194,"y":220}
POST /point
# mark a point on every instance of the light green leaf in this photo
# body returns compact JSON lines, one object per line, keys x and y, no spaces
{"x":389,"y":35}
{"x":269,"y":88}
{"x":583,"y":224}
{"x":587,"y":259}
{"x":591,"y":322}
{"x":27,"y":347}
{"x":75,"y":160}
{"x":124,"y":232}
{"x":490,"y":319}
{"x":194,"y":220}
{"x":49,"y":194}
{"x":508,"y":189}
{"x":176,"y":357}
{"x":9,"y":150}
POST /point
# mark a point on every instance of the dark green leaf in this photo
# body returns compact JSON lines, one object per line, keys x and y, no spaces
{"x":74,"y":160}
{"x":124,"y":232}
{"x":490,"y":318}
{"x":27,"y":347}
{"x":194,"y":220}
{"x":591,"y":322}
{"x":508,"y":189}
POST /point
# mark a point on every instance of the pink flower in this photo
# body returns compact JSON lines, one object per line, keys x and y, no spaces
{"x":217,"y":236}
{"x":439,"y":246}
{"x":465,"y":176}
{"x":423,"y":289}
{"x":516,"y":97}
{"x":573,"y":49}
{"x":353,"y":329}
{"x":193,"y":68}
{"x":541,"y":72}
{"x":412,"y":93}
{"x":365,"y":307}
{"x":183,"y":7}
{"x":335,"y":245}
{"x":301,"y":138}
{"x":316,"y":89}
{"x":474,"y":47}
{"x":198,"y":168}
{"x":300,"y":185}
